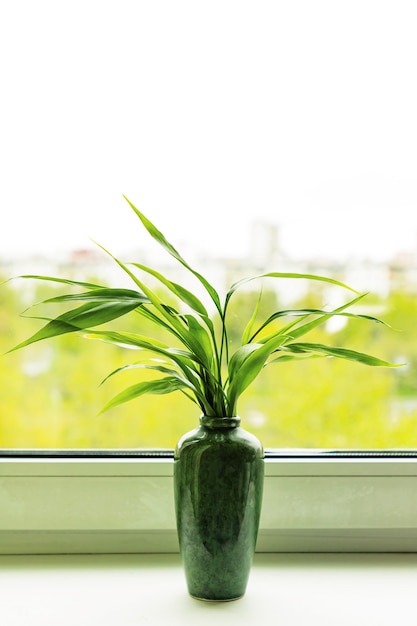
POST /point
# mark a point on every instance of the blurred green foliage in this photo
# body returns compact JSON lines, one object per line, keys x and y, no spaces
{"x":50,"y":393}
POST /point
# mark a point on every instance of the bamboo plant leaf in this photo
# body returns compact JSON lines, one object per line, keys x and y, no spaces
{"x":190,"y":383}
{"x":249,"y":368}
{"x":85,"y":316}
{"x":246,"y":336}
{"x":64,"y":281}
{"x":240,"y":356}
{"x":199,"y":341}
{"x":186,"y":361}
{"x":161,"y":386}
{"x":296,"y":329}
{"x":148,"y":366}
{"x":181,"y":292}
{"x":342,"y":353}
{"x":324,"y":315}
{"x":103,"y":295}
{"x":160,"y":238}
{"x":172,"y":316}
{"x":139,"y":342}
{"x":285,"y":357}
{"x":291,"y":275}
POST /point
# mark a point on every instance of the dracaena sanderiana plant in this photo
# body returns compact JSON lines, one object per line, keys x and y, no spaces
{"x":199,"y":363}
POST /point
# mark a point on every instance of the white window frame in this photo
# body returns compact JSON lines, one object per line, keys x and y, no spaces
{"x":313,"y":502}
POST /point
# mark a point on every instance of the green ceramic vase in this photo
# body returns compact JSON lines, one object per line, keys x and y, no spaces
{"x":218,"y":482}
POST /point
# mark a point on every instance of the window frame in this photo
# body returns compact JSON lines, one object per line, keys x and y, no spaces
{"x":115,"y":501}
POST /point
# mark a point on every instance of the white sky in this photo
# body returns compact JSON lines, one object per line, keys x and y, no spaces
{"x":209,"y":115}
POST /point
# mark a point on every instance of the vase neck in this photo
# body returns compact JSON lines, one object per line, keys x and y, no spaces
{"x":219,"y":422}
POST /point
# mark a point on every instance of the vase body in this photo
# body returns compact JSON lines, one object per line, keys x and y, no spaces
{"x":218,"y":483}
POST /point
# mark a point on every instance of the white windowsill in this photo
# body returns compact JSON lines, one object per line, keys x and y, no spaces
{"x":50,"y":506}
{"x":290,"y":589}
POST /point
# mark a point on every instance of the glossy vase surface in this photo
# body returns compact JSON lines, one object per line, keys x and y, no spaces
{"x":218,"y":483}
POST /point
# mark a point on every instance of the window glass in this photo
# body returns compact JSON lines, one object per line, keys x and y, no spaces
{"x":267,"y":137}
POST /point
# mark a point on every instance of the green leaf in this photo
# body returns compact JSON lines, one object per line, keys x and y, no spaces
{"x":295,"y":330}
{"x":86,"y":316}
{"x":103,"y":295}
{"x":160,"y":238}
{"x":246,"y":336}
{"x":158,"y":368}
{"x":185,"y":327}
{"x":291,"y":275}
{"x":281,"y":358}
{"x":139,"y":342}
{"x":65,"y":281}
{"x":199,"y":341}
{"x":187,"y":361}
{"x":190,"y":384}
{"x":304,"y":313}
{"x":171,"y":315}
{"x":239,"y":357}
{"x":161,"y":386}
{"x":341,"y":353}
{"x":250,"y":367}
{"x":181,"y":292}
